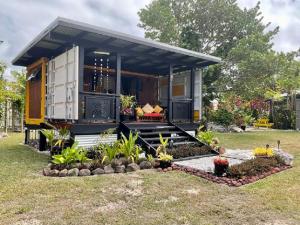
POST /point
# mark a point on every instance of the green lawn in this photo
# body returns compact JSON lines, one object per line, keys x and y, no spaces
{"x":146,"y":197}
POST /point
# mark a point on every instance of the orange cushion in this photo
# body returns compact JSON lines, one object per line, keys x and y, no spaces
{"x":148,"y":108}
{"x":139,"y":111}
{"x":157,"y":109}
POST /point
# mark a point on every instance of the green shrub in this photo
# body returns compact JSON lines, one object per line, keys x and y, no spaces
{"x":110,"y":151}
{"x":70,"y":155}
{"x":129,"y":148}
{"x":222,"y":117}
{"x":254,"y":166}
{"x":206,"y":137}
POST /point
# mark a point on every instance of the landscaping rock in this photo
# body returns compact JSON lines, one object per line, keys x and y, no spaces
{"x":98,"y":171}
{"x":84,"y":172}
{"x":145,"y":165}
{"x":109,"y":169}
{"x":54,"y":173}
{"x":116,"y":162}
{"x":132,"y":167}
{"x":287,"y":158}
{"x":63,"y":173}
{"x":120,"y":169}
{"x":235,"y":129}
{"x":215,"y":127}
{"x":73,"y":172}
{"x":46,"y":171}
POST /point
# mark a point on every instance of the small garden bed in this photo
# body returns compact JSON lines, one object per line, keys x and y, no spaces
{"x":240,"y":174}
{"x":184,"y":151}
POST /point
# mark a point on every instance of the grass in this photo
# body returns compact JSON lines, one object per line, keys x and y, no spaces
{"x":146,"y":197}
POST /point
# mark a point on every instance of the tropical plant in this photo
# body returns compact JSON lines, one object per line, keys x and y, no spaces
{"x":206,"y":137}
{"x":62,"y":135}
{"x":127,"y":102}
{"x":165,"y":157}
{"x":50,"y":136}
{"x":110,"y":151}
{"x":128,"y":146}
{"x":162,"y":148}
{"x":70,"y":155}
{"x":263,"y":152}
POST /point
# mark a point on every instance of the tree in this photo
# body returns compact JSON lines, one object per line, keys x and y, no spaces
{"x":210,"y":26}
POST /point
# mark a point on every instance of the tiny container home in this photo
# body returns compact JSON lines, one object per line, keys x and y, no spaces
{"x":76,"y":73}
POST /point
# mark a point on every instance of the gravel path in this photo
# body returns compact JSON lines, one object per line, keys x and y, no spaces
{"x":207,"y":163}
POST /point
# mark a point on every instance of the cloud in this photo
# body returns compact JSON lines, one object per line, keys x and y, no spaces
{"x":21,"y":21}
{"x":282,"y":13}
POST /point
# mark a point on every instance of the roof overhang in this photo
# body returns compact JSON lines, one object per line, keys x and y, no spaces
{"x":150,"y":56}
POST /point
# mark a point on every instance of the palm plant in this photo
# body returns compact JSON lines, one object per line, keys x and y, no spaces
{"x":162,"y":148}
{"x":110,"y":151}
{"x":50,"y":136}
{"x":128,"y":146}
{"x":63,"y":134}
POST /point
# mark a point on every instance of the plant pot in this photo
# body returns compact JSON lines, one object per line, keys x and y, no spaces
{"x":243,"y":127}
{"x":165,"y":164}
{"x":220,"y":169}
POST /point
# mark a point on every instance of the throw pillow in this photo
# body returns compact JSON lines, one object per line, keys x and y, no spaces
{"x":139,"y":111}
{"x":148,"y":108}
{"x":157,"y":109}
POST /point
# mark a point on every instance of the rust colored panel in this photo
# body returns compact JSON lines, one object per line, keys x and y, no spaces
{"x":35,"y":98}
{"x":178,"y":90}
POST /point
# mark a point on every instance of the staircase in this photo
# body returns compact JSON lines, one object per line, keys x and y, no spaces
{"x":148,"y":134}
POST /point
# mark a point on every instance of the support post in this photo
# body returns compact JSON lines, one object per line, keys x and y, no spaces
{"x":81,"y":105}
{"x":170,"y":94}
{"x":118,"y":88}
{"x":192,"y":89}
{"x":27,"y":136}
{"x":42,"y":141}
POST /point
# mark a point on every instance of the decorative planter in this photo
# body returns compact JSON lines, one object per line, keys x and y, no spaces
{"x":220,"y":169}
{"x":165,"y":164}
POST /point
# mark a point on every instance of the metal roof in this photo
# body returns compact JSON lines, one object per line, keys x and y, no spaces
{"x":144,"y":54}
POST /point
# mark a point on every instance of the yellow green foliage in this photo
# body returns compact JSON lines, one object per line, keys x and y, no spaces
{"x":263,"y":151}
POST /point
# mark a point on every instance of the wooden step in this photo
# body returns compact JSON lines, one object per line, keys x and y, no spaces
{"x":176,"y":143}
{"x":170,"y":138}
{"x":154,"y":128}
{"x":158,"y":132}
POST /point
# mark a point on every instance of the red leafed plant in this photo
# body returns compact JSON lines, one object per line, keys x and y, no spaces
{"x":221,"y":161}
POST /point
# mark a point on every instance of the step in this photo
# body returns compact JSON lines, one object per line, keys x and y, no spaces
{"x":154,"y":128}
{"x":157,"y":133}
{"x":176,"y":143}
{"x":170,"y":138}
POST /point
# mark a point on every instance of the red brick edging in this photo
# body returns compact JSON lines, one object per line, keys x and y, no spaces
{"x":234,"y":182}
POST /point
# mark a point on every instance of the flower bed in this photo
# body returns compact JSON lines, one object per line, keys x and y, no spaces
{"x":183,"y":151}
{"x":244,"y":173}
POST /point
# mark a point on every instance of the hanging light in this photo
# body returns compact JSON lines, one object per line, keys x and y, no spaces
{"x":107,"y":73}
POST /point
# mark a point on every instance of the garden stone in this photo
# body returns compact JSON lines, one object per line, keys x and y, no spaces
{"x":145,"y":165}
{"x":73,"y":172}
{"x":120,"y":169}
{"x":109,"y":169}
{"x":287,"y":158}
{"x":235,"y":129}
{"x":132,"y":167}
{"x":115,"y":163}
{"x":98,"y":171}
{"x":215,"y":127}
{"x":63,"y":173}
{"x":46,"y":171}
{"x":54,"y":173}
{"x":84,"y":172}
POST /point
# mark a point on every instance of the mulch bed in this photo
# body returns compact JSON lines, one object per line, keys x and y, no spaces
{"x":234,"y":182}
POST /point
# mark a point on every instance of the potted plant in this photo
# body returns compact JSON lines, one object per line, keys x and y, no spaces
{"x":221,"y":165}
{"x":165,"y":160}
{"x":127,"y":103}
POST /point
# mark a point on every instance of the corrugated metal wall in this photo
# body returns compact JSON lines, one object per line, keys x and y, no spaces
{"x":87,"y":141}
{"x":62,"y":86}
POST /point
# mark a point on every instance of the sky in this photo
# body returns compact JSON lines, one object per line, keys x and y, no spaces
{"x":21,"y":21}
